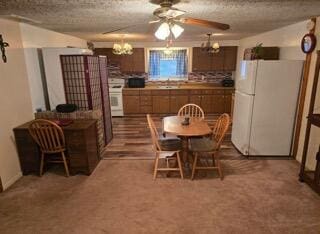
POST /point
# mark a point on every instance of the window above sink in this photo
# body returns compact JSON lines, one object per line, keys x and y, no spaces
{"x":168,"y":64}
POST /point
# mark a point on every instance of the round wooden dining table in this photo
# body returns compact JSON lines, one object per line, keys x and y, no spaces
{"x":197,"y":127}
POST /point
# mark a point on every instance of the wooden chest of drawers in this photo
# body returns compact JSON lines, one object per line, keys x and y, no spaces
{"x":81,"y":144}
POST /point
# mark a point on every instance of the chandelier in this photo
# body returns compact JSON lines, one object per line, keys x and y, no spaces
{"x":207,"y":47}
{"x":122,"y":49}
{"x":168,"y":28}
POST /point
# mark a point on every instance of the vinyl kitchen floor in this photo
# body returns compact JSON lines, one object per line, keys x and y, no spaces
{"x":132,"y":139}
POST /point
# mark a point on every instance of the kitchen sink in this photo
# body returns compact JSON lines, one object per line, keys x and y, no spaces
{"x":168,"y":86}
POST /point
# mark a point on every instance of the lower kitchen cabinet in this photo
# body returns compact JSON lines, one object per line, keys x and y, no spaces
{"x":195,"y":99}
{"x":146,"y":109}
{"x":206,"y":103}
{"x":218,"y":105}
{"x":176,"y":102}
{"x":131,"y":104}
{"x":160,"y":104}
{"x":228,"y":103}
{"x":144,"y":101}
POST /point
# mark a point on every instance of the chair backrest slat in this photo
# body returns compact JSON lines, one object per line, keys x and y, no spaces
{"x":220,"y":128}
{"x":48,"y":135}
{"x":154,"y":133}
{"x":191,"y":110}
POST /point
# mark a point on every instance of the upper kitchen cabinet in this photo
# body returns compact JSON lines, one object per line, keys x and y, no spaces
{"x":112,"y":58}
{"x":230,"y":58}
{"x":200,"y":61}
{"x":127,"y":63}
{"x":225,"y":60}
{"x":138,"y":60}
{"x":217,"y":60}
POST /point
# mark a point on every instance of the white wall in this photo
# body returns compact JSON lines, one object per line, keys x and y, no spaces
{"x":34,"y":38}
{"x":15,"y":101}
{"x":21,"y":87}
{"x":287,"y":38}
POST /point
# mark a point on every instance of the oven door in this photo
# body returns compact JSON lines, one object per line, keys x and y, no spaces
{"x":116,"y":101}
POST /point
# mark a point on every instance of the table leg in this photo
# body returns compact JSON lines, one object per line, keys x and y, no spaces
{"x":185,"y":153}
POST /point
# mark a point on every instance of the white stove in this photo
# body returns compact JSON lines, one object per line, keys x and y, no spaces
{"x":115,"y":92}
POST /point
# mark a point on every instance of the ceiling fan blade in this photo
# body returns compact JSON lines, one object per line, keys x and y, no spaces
{"x":126,"y":27}
{"x":204,"y":23}
{"x":118,"y":29}
{"x":20,"y":18}
{"x":154,"y":21}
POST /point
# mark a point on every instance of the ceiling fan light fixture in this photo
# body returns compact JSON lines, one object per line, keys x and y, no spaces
{"x":163,"y":31}
{"x":176,"y":30}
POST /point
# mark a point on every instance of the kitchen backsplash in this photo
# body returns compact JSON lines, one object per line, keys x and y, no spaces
{"x":198,"y":77}
{"x":210,"y":77}
{"x":114,"y":72}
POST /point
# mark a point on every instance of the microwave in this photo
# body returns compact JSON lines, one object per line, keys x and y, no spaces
{"x":136,"y":82}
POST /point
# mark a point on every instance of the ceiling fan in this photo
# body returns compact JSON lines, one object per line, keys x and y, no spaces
{"x":20,"y":18}
{"x":169,"y":16}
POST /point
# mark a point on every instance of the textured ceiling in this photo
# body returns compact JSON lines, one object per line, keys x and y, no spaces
{"x":89,"y":18}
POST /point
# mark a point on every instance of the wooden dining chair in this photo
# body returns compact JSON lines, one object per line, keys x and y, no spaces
{"x":165,"y":148}
{"x":191,"y":110}
{"x":202,"y":147}
{"x":50,"y":138}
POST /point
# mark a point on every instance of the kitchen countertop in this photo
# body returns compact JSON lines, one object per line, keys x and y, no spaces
{"x":182,"y":86}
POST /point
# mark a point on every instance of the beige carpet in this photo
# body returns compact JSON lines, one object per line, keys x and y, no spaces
{"x":256,"y":196}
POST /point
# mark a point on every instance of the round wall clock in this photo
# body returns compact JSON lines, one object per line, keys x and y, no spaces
{"x":308,"y":43}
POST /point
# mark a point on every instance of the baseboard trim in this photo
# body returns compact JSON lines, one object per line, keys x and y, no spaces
{"x":12,"y":181}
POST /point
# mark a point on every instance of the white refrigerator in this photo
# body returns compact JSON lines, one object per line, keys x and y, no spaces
{"x":265,"y":106}
{"x":53,"y":72}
